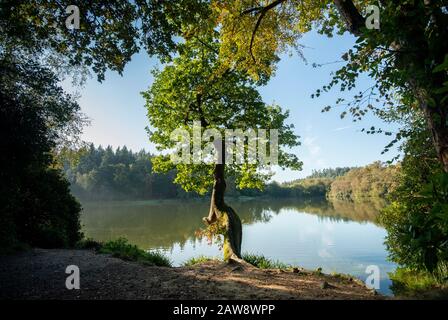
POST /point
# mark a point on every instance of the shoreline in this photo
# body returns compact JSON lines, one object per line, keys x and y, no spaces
{"x":39,"y":274}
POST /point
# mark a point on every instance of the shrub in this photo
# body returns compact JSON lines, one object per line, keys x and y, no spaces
{"x":262,"y":262}
{"x":408,"y":282}
{"x":417,"y":218}
{"x":36,"y":207}
{"x":417,"y":225}
{"x":89,"y":243}
{"x":120,"y":248}
{"x":197,"y":260}
{"x":41,"y":212}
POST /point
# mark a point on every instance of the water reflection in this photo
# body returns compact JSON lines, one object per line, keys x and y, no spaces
{"x":335,"y":235}
{"x":163,"y":223}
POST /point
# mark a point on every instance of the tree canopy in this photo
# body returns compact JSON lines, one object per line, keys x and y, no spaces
{"x":189,"y":90}
{"x":109,"y":33}
{"x":36,"y":205}
{"x":406,"y":56}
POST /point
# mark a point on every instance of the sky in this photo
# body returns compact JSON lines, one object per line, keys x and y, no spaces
{"x":117,"y":111}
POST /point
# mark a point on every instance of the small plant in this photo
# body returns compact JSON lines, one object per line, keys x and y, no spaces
{"x":214,"y":232}
{"x":197,"y":260}
{"x":120,"y":248}
{"x":14,"y":247}
{"x":262,"y":262}
{"x":343,"y":276}
{"x":318,"y":271}
{"x":407,"y":282}
{"x":89,"y":244}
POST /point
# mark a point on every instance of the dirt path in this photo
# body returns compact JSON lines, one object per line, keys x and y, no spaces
{"x":40,"y":274}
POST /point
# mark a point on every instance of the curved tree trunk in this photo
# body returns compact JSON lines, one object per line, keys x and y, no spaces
{"x":220,"y":210}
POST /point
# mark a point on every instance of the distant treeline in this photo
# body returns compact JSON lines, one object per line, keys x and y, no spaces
{"x":373,"y":180}
{"x":97,"y":173}
{"x":330,"y":172}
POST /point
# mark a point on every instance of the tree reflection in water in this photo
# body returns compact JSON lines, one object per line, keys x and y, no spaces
{"x":162,"y":223}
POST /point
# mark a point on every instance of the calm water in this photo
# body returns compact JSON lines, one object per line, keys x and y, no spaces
{"x":337,"y":236}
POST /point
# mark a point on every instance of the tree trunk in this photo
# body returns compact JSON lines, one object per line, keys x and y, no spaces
{"x":352,"y":18}
{"x":436,"y":118}
{"x":219,"y":210}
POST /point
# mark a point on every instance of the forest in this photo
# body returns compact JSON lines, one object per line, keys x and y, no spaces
{"x":97,"y":173}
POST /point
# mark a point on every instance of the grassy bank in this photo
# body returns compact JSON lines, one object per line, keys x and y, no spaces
{"x":420,"y":284}
{"x":122,"y":249}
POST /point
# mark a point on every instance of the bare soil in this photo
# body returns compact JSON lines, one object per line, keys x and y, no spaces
{"x":40,"y":274}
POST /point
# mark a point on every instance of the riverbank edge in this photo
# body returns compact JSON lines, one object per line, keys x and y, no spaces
{"x":41,"y":274}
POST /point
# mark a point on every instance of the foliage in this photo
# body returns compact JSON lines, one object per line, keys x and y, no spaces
{"x":251,"y":43}
{"x":308,"y":187}
{"x":374,"y":180}
{"x":198,"y":260}
{"x":260,"y":261}
{"x":36,"y":115}
{"x":190,"y":89}
{"x":412,"y":283}
{"x":88,"y":244}
{"x":120,"y":248}
{"x":215,"y":233}
{"x":329,"y":172}
{"x":318,"y":271}
{"x":417,"y":218}
{"x":36,"y":205}
{"x":98,"y":173}
{"x":405,"y":57}
{"x":109,"y":34}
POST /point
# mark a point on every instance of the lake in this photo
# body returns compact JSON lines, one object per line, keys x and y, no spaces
{"x":337,"y":236}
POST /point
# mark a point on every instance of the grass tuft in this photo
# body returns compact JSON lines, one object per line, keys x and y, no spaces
{"x":317,"y":272}
{"x":120,"y":248}
{"x":260,"y":261}
{"x":407,"y":282}
{"x":197,"y":260}
{"x":89,"y":244}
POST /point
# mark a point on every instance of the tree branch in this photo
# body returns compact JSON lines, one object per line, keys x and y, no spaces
{"x":262,"y":11}
{"x":353,"y":19}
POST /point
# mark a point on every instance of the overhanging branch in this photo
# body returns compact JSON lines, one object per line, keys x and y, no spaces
{"x":262,"y":11}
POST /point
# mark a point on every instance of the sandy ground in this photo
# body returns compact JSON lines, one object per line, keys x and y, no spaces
{"x":40,"y":274}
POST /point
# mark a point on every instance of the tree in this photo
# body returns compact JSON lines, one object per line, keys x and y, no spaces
{"x":374,"y":180}
{"x":416,"y":219}
{"x":109,"y":32}
{"x":37,"y":115}
{"x":190,"y":90}
{"x":36,"y":206}
{"x":407,"y":57}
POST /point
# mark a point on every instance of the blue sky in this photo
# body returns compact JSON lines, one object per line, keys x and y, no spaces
{"x":118,"y":116}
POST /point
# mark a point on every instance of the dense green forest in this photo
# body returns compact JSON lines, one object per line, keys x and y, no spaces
{"x":97,"y":173}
